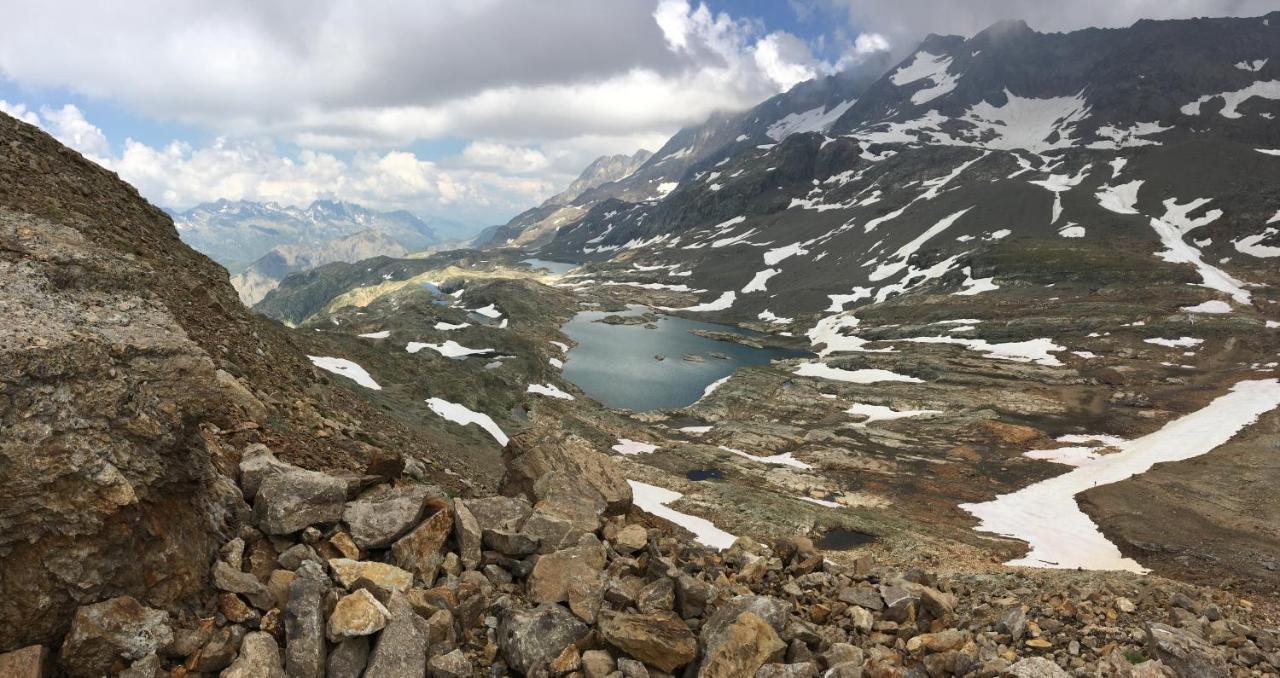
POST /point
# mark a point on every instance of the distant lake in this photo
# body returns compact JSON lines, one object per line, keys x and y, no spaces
{"x":556,"y":267}
{"x":615,"y":364}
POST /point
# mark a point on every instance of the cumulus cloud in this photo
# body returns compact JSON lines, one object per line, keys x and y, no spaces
{"x":182,"y":175}
{"x":343,"y":75}
{"x":68,"y":125}
{"x":19,"y":111}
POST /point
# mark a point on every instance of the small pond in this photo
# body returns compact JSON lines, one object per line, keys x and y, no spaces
{"x":840,"y":539}
{"x":556,"y":267}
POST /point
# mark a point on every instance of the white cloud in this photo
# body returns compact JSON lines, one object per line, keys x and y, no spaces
{"x":514,"y":159}
{"x":345,"y":76}
{"x":68,"y":125}
{"x":785,"y":59}
{"x":20,"y":112}
{"x":869,"y":43}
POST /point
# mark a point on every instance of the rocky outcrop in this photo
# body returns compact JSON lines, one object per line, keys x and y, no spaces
{"x":130,"y":382}
{"x":544,"y":448}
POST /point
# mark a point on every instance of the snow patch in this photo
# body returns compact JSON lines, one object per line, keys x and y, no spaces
{"x":346,"y":368}
{"x":460,"y":414}
{"x":548,"y":390}
{"x":449,"y":349}
{"x":632,"y":447}
{"x":1060,"y":535}
{"x":654,"y":499}
{"x":861,"y":376}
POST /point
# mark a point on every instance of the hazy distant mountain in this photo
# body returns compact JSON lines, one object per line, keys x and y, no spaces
{"x":263,"y":275}
{"x":236,"y":233}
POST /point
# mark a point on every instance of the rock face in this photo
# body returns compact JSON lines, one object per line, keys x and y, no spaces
{"x":381,"y":516}
{"x":132,"y":378}
{"x":112,"y":508}
{"x":741,"y":648}
{"x":29,"y":662}
{"x":259,"y":658}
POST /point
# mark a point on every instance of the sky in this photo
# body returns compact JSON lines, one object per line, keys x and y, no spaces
{"x":471,"y":110}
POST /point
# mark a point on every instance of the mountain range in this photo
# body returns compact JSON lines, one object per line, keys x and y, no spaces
{"x":261,"y":243}
{"x":1142,"y":134}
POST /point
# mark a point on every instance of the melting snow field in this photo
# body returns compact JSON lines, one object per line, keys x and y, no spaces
{"x":347,"y":369}
{"x":548,"y":390}
{"x":862,"y":376}
{"x":376,"y":335}
{"x":629,"y":447}
{"x":654,"y":499}
{"x":1031,"y":351}
{"x":784,"y":459}
{"x":882,"y":413}
{"x":723,"y":302}
{"x":459,"y":414}
{"x":449,"y":349}
{"x":1060,"y":535}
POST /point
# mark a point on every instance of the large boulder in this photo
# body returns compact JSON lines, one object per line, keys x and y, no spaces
{"x":541,"y":449}
{"x":422,"y":550}
{"x":467,"y":533}
{"x":770,"y":609}
{"x":257,"y":463}
{"x":741,"y":648}
{"x":401,"y":649}
{"x":290,"y":501}
{"x":505,"y":514}
{"x":384,"y":576}
{"x":660,"y":639}
{"x":572,"y":575}
{"x":304,"y":623}
{"x":1184,"y":652}
{"x":385,"y":513}
{"x":357,"y":614}
{"x":119,"y":628}
{"x":533,"y":637}
{"x":259,"y":658}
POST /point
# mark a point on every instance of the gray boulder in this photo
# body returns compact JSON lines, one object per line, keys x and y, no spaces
{"x":384,"y":514}
{"x":401,"y":648}
{"x":304,"y":623}
{"x":532,"y":637}
{"x":290,"y":501}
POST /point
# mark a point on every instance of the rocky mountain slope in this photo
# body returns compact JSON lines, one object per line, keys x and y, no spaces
{"x":1161,"y":136}
{"x":540,"y":223}
{"x":808,"y":107}
{"x":1032,"y":342}
{"x":132,"y":376}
